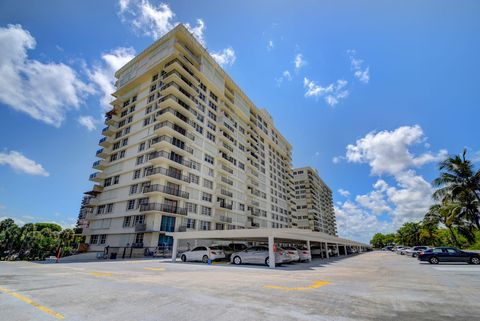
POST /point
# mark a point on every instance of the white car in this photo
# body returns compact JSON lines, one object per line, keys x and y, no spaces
{"x":292,"y":253}
{"x":203,"y":254}
{"x":305,"y":255}
{"x":414,"y":251}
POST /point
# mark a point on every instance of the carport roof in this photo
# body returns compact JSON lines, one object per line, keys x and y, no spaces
{"x":263,"y":234}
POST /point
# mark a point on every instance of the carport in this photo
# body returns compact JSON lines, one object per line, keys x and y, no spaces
{"x":269,"y":235}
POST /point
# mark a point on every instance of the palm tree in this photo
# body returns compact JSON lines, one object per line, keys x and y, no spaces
{"x":457,"y":176}
{"x":447,"y":214}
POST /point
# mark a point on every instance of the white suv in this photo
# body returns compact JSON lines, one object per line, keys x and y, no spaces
{"x":203,"y":253}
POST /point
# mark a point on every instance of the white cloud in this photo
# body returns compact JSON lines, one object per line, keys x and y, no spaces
{"x":226,"y":57}
{"x":102,"y":74}
{"x":337,"y":159}
{"x":88,"y":122}
{"x":270,"y":45}
{"x":45,"y":91}
{"x":299,"y":62}
{"x":363,"y":75}
{"x":286,"y":75}
{"x":20,"y":163}
{"x":332,"y":94}
{"x":387,"y":152}
{"x":344,"y":192}
{"x":476,"y":157}
{"x":408,"y":198}
{"x":155,"y":21}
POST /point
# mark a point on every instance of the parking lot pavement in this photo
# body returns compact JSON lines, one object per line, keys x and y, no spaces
{"x":371,"y":286}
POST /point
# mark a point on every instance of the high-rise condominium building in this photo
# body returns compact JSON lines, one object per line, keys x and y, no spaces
{"x":314,"y":202}
{"x":184,"y":149}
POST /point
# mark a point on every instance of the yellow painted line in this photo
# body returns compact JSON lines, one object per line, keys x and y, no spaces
{"x":154,"y":269}
{"x":315,"y":285}
{"x":101,"y":274}
{"x":35,"y":304}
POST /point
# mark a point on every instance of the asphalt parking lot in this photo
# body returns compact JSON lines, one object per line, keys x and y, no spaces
{"x":370,"y":286}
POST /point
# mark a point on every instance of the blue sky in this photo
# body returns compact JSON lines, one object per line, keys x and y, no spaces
{"x":371,"y":93}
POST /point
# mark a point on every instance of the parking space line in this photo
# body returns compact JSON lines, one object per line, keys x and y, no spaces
{"x":154,"y":269}
{"x":315,"y":285}
{"x":100,"y":274}
{"x":35,"y":304}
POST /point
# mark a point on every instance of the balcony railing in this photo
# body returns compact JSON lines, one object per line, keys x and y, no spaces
{"x":176,"y":143}
{"x":140,"y":227}
{"x":167,"y":172}
{"x":165,"y":189}
{"x":160,"y":207}
{"x":225,"y":205}
{"x":175,"y":127}
{"x":170,"y":156}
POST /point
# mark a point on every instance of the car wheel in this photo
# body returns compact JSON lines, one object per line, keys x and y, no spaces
{"x":414,"y":255}
{"x":433,"y":260}
{"x":205,"y":259}
{"x":237,"y":260}
{"x":267,"y":261}
{"x":184,"y":258}
{"x":475,"y":260}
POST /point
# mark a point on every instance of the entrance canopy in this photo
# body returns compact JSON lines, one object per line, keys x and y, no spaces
{"x":261,"y":235}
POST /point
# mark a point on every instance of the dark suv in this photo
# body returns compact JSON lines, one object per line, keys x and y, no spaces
{"x":448,"y":254}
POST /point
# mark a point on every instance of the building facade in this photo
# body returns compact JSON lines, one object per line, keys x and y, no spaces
{"x":314,"y":202}
{"x":184,"y":149}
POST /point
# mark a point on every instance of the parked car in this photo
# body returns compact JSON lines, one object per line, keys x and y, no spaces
{"x":292,"y":253}
{"x":388,"y":248}
{"x":414,"y":251}
{"x":305,"y":255}
{"x":448,"y":254}
{"x":231,"y":248}
{"x":258,"y":255}
{"x":398,"y":249}
{"x":404,"y":250}
{"x":203,"y":253}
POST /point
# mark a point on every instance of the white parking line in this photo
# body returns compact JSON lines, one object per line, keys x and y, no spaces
{"x":458,"y":268}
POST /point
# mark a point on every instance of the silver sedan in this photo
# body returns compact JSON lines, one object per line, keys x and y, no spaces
{"x":257,"y":255}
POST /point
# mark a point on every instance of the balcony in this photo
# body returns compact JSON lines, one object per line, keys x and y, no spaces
{"x":175,"y":142}
{"x":140,"y":227}
{"x":167,"y":172}
{"x":105,"y":142}
{"x":101,"y":153}
{"x":167,"y":155}
{"x":175,"y":127}
{"x":165,"y":208}
{"x":165,"y":189}
{"x":97,"y":177}
{"x":97,"y":189}
{"x":99,"y":164}
{"x":109,"y":130}
{"x":225,"y":205}
{"x":89,"y":201}
{"x":224,"y":219}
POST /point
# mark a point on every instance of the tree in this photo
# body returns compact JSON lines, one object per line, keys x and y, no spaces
{"x":378,"y":240}
{"x":459,"y":182}
{"x":447,"y":214}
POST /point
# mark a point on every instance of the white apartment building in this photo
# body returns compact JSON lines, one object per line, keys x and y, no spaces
{"x":184,"y":149}
{"x":314,"y":202}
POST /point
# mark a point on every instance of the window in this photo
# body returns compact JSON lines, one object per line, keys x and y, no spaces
{"x":101,"y":209}
{"x":122,"y":154}
{"x":211,"y":136}
{"x":211,"y":126}
{"x":207,"y":183}
{"x":125,"y":142}
{"x":127,"y":220}
{"x":209,"y":159}
{"x":204,"y":225}
{"x":129,"y":119}
{"x":132,"y":109}
{"x":210,"y":172}
{"x":103,"y":238}
{"x":114,"y":157}
{"x":116,"y":146}
{"x":107,"y":182}
{"x":213,"y":96}
{"x":116,"y":179}
{"x":206,"y":211}
{"x":189,"y":223}
{"x":136,"y":174}
{"x":155,"y":77}
{"x":140,"y":160}
{"x":141,"y":147}
{"x":191,"y":208}
{"x":146,"y":121}
{"x":206,"y":197}
{"x":94,"y":239}
{"x":110,"y":208}
{"x":212,"y":115}
{"x":139,"y":238}
{"x":194,"y":178}
{"x":139,"y":219}
{"x":134,"y":189}
{"x":203,"y":87}
{"x":134,"y":99}
{"x":130,"y":205}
